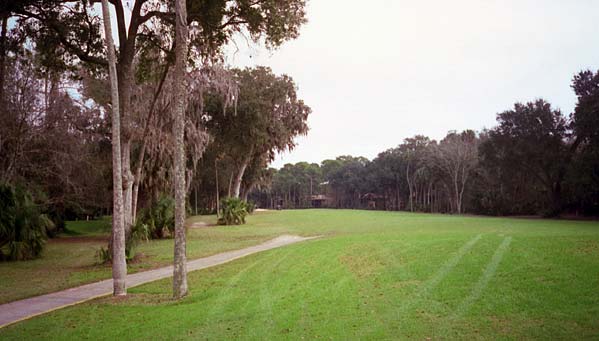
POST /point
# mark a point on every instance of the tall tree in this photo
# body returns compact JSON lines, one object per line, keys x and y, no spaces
{"x":180,"y":260}
{"x":456,"y":157}
{"x":119,"y":265}
{"x":267,"y":118}
{"x":532,"y":139}
{"x":585,"y":145}
{"x":414,"y":152}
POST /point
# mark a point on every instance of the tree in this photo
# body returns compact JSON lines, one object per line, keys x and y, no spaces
{"x":456,"y":156}
{"x":267,"y":118}
{"x":532,"y":140}
{"x":414,"y":151}
{"x":180,"y":260}
{"x":584,"y":177}
{"x":346,"y":176}
{"x":387,"y":177}
{"x":119,"y":264}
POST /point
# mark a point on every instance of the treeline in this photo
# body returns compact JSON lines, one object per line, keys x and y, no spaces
{"x":536,"y":160}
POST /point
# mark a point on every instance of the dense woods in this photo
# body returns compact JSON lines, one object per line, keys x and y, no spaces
{"x":536,"y":160}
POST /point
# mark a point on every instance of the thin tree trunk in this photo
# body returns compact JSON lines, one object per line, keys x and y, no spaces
{"x":126,"y":82}
{"x":410,"y":187}
{"x":397,"y":192}
{"x":217,"y":189}
{"x":3,"y":57}
{"x":119,"y":264}
{"x":180,"y":262}
{"x":457,"y":194}
{"x":127,"y":186}
{"x":230,"y":184}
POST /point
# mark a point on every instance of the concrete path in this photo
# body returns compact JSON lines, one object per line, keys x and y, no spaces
{"x":21,"y":310}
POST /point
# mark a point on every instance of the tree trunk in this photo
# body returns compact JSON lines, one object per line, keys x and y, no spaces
{"x":126,"y":82}
{"x":397,"y":192}
{"x":180,"y":261}
{"x":458,"y":203}
{"x":230,"y":183}
{"x":119,"y":265}
{"x":127,"y":186}
{"x":3,"y":57}
{"x":239,"y":176}
{"x":410,"y":189}
{"x":217,"y":189}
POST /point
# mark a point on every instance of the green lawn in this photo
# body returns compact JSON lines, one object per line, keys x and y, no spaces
{"x":70,"y":260}
{"x":372,"y":275}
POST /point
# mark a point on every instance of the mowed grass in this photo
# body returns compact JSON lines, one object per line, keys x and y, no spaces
{"x":70,"y":259}
{"x":372,"y":275}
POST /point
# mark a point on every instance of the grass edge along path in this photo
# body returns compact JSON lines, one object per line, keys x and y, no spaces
{"x":20,"y":310}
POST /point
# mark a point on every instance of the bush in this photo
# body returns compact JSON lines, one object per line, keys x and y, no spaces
{"x":251,"y":206}
{"x":139,"y":232}
{"x":232,"y":211}
{"x":160,"y":217}
{"x":23,"y":229}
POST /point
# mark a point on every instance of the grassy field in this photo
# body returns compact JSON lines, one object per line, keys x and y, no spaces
{"x":372,"y":275}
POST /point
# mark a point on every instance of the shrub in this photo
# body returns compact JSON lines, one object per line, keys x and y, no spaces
{"x":251,"y":206}
{"x":139,"y":232}
{"x":232,"y":211}
{"x":159,"y":217}
{"x":103,"y":255}
{"x":23,"y":229}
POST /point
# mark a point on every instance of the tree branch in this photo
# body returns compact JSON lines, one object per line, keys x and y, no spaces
{"x":71,"y":47}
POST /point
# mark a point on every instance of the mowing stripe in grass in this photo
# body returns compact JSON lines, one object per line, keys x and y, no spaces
{"x":215,"y":313}
{"x":484,"y":279}
{"x":445,"y":269}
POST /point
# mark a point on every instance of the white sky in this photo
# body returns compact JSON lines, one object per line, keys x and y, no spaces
{"x":375,"y":72}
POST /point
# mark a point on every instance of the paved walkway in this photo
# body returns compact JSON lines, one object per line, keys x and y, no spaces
{"x":20,"y":310}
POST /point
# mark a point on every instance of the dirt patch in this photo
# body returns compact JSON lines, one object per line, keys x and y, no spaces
{"x":587,"y":248}
{"x":407,"y":283}
{"x":139,"y":257}
{"x":200,"y":225}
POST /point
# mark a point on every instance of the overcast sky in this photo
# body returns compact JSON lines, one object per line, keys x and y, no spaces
{"x":375,"y":72}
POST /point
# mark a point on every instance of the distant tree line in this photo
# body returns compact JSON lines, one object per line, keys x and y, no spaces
{"x":536,"y":160}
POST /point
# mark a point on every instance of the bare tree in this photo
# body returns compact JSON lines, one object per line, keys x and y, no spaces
{"x":180,"y":261}
{"x":456,"y":156}
{"x":119,"y":264}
